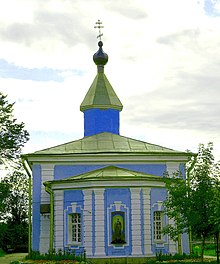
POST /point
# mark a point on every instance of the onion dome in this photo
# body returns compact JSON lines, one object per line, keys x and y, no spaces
{"x":100,"y":57}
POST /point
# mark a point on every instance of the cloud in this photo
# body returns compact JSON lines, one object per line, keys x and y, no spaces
{"x":48,"y":26}
{"x":185,"y":37}
{"x":132,"y":10}
{"x":191,"y":104}
{"x":163,"y":64}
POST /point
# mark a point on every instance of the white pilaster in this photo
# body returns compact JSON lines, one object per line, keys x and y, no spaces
{"x":99,"y":223}
{"x":58,"y":220}
{"x":87,"y":216}
{"x":47,"y":173}
{"x":172,"y":243}
{"x":172,"y":168}
{"x":136,"y":221}
{"x":147,"y":221}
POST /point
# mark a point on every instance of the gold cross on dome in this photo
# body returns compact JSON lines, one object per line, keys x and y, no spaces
{"x":99,"y":26}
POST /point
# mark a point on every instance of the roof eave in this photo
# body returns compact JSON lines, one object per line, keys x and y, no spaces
{"x":94,"y":106}
{"x":98,"y":179}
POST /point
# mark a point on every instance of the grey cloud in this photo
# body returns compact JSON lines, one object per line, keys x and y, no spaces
{"x":21,"y":33}
{"x":185,"y":36}
{"x":61,"y":26}
{"x":192,"y":103}
{"x":68,"y":27}
{"x":128,"y":9}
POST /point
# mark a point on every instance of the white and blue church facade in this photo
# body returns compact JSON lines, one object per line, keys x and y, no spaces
{"x":103,"y":193}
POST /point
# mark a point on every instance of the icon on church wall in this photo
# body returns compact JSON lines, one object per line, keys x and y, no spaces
{"x":118,"y":228}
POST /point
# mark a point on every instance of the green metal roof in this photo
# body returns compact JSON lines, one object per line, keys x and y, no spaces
{"x":106,"y":143}
{"x":111,"y":171}
{"x":101,"y":95}
{"x":108,"y":173}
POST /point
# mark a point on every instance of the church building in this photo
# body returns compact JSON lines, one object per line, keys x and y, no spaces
{"x":103,"y":194}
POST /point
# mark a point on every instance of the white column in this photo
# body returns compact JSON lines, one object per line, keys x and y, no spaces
{"x":47,"y":173}
{"x":172,"y":243}
{"x":87,"y":216}
{"x":172,"y":168}
{"x":136,"y":221}
{"x":99,"y":223}
{"x":147,"y":221}
{"x":58,"y":220}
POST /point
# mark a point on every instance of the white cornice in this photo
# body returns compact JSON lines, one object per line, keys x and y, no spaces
{"x":106,"y":184}
{"x":102,"y":159}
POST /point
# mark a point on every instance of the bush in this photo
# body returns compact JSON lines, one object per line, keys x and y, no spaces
{"x":210,"y":246}
{"x":56,"y":256}
{"x":12,"y":236}
{"x":2,"y":253}
{"x":167,"y":257}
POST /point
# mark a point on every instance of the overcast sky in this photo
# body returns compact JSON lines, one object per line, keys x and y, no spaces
{"x":164,"y":64}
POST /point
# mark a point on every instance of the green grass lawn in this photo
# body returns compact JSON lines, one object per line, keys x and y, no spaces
{"x":209,"y":250}
{"x":8,"y":258}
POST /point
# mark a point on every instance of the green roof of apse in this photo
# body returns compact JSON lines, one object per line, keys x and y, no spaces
{"x":101,"y":95}
{"x":110,"y":172}
{"x":106,"y":143}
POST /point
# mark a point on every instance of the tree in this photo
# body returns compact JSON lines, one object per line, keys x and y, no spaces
{"x":13,"y":188}
{"x":191,"y":203}
{"x":13,"y":136}
{"x":215,"y":217}
{"x":16,"y":202}
{"x":201,"y":194}
{"x":4,"y":192}
{"x":14,"y":220}
{"x":175,"y":204}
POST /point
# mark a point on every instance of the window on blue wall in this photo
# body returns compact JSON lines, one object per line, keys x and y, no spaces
{"x":158,"y":225}
{"x":74,"y":228}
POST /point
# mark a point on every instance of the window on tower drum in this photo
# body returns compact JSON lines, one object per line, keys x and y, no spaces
{"x":158,"y":225}
{"x":74,"y":228}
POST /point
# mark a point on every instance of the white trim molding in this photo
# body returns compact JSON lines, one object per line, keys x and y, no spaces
{"x":99,"y":223}
{"x":47,"y":174}
{"x":136,"y":221}
{"x":147,"y":221}
{"x":87,"y":213}
{"x":58,"y":220}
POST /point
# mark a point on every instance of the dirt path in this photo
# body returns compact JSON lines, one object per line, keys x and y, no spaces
{"x":7,"y":259}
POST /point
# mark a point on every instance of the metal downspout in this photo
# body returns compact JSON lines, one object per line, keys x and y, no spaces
{"x":48,"y":190}
{"x":29,"y":205}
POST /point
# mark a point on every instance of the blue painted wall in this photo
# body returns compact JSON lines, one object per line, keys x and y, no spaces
{"x":158,"y":194}
{"x":36,"y":170}
{"x":112,"y":195}
{"x":182,"y":169}
{"x":155,"y":169}
{"x":76,"y":196}
{"x":101,"y":120}
{"x":185,"y":243}
{"x":64,"y":171}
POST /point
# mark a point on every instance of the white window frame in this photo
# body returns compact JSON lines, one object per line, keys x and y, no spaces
{"x":158,"y":226}
{"x":78,"y":229}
